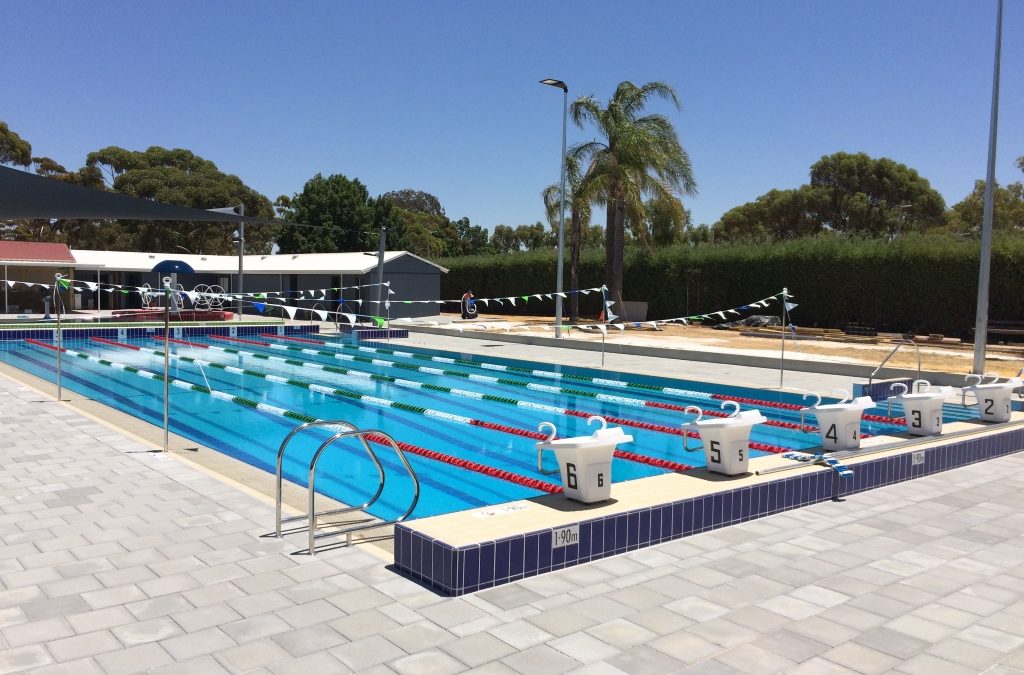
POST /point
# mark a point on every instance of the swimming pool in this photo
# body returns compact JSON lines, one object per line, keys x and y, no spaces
{"x":469,"y":421}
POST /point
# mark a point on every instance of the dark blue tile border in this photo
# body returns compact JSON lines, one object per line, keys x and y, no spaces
{"x":455,"y":571}
{"x":153,"y":331}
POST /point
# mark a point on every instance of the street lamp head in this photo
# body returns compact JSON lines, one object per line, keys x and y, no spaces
{"x":556,"y":83}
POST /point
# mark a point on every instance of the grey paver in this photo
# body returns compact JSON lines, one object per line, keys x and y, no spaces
{"x":145,"y":564}
{"x":367,"y":652}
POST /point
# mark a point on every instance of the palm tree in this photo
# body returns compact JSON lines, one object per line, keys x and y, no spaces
{"x":639,"y":155}
{"x":579,"y":203}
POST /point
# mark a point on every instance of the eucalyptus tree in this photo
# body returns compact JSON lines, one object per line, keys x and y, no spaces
{"x":638,"y":156}
{"x":13,"y":148}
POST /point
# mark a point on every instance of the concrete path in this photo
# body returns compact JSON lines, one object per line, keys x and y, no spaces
{"x":116,"y":559}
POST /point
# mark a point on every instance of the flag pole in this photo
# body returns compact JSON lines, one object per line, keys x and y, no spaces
{"x":785,"y":328}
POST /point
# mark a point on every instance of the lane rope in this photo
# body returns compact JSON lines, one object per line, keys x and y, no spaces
{"x":508,"y":476}
{"x":533,"y":386}
{"x":387,"y":403}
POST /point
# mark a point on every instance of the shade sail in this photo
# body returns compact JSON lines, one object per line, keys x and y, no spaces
{"x":25,"y":195}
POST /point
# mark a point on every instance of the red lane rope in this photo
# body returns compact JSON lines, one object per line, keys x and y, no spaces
{"x":242,"y":340}
{"x":509,"y":430}
{"x":757,"y":401}
{"x":717,"y":413}
{"x":885,"y":420}
{"x":190,"y":344}
{"x":525,"y":481}
{"x":653,"y":461}
{"x":37,"y":343}
{"x":115,"y":344}
{"x":292,"y":338}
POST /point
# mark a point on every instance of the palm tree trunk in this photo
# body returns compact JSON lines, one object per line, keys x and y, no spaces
{"x":574,"y":267}
{"x":614,"y":249}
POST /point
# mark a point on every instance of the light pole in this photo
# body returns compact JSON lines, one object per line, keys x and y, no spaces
{"x":561,"y":208}
{"x":981,"y":320}
{"x":240,"y":210}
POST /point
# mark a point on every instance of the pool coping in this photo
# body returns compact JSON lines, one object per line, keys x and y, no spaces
{"x":436,"y":550}
{"x":793,"y":361}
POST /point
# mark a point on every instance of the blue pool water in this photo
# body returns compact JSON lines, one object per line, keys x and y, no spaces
{"x":345,"y":473}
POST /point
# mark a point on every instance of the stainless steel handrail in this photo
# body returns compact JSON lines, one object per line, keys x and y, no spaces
{"x":893,"y":353}
{"x":280,"y":458}
{"x":361,"y":434}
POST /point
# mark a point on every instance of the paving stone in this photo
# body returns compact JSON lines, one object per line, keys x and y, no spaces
{"x":23,"y":658}
{"x":367,"y":652}
{"x":153,"y":630}
{"x":37,"y":610}
{"x":478,"y":649}
{"x":363,"y":624}
{"x":305,"y":641}
{"x":926,"y":664}
{"x":418,"y":637}
{"x":254,"y":628}
{"x":429,"y":662}
{"x":202,"y":665}
{"x":991,"y":638}
{"x":892,"y":642}
{"x":191,"y":645}
{"x":622,"y":633}
{"x":137,"y":659}
{"x":792,"y":645}
{"x":753,"y":659}
{"x":85,"y":666}
{"x":683,"y":647}
{"x":643,"y":660}
{"x":36,"y":631}
{"x":157,"y":607}
{"x":99,"y":619}
{"x":251,"y":655}
{"x":317,"y":611}
{"x":860,"y":658}
{"x":584,"y":647}
{"x":520,"y":634}
{"x":82,"y":646}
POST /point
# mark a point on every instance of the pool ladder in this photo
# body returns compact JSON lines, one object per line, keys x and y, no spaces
{"x":342,"y":431}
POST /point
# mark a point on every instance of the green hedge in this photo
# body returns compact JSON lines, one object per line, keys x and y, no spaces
{"x":921,"y":284}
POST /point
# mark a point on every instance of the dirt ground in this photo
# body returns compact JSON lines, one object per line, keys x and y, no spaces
{"x":1004,"y":360}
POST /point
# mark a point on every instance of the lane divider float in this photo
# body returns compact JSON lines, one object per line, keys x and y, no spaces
{"x":547,"y":374}
{"x":387,"y":403}
{"x":542,"y":407}
{"x":533,"y":386}
{"x":469,"y":465}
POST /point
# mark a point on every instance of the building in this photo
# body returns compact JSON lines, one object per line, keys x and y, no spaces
{"x":410,"y":277}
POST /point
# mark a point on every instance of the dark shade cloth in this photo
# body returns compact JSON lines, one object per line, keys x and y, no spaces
{"x":25,"y":195}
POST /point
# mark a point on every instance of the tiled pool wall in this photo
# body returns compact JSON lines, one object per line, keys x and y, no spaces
{"x":879,"y":391}
{"x":458,"y":570}
{"x":365,"y":334}
{"x":122,"y":333}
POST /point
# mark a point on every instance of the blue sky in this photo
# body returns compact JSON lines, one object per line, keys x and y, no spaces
{"x":444,"y":96}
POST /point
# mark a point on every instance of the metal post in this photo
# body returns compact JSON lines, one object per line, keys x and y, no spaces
{"x":981,"y":322}
{"x":167,"y":359}
{"x":7,"y":305}
{"x":98,"y":295}
{"x":380,"y":271}
{"x":561,"y":217}
{"x":785,"y":328}
{"x":56,"y":284}
{"x":241,"y":254}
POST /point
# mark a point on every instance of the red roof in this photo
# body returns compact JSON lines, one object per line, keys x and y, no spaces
{"x":33,"y":251}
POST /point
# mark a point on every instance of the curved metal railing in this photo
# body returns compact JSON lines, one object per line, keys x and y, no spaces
{"x":343,"y":430}
{"x":902,"y":342}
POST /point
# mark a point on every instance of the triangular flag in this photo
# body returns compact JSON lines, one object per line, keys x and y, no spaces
{"x":321,"y":313}
{"x":790,"y":306}
{"x":289,"y":310}
{"x":260,"y":306}
{"x":379,"y":320}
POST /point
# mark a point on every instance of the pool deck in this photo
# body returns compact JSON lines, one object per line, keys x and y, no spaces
{"x":119,"y":559}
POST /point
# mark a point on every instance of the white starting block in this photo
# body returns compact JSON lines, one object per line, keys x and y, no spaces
{"x":993,"y":398}
{"x":839,"y":423}
{"x":585,"y":462}
{"x":922,"y":406}
{"x":726,"y":440}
